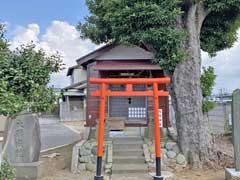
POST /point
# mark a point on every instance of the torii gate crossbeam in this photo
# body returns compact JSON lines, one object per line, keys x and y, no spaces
{"x":129,"y":82}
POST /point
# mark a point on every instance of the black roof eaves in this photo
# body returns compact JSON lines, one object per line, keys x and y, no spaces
{"x":74,"y":85}
{"x":70,"y":69}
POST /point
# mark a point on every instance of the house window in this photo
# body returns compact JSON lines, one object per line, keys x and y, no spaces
{"x":117,"y":87}
{"x":76,"y":103}
{"x":139,"y":87}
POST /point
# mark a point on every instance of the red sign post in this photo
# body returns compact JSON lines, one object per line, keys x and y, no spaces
{"x":104,"y":92}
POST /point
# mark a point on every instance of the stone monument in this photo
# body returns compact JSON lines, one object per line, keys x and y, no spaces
{"x":23,"y":145}
{"x":234,"y":174}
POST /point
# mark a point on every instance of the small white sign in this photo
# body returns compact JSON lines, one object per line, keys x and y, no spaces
{"x":230,"y":119}
{"x":160,"y":114}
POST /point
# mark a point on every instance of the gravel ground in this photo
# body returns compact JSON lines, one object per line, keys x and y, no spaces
{"x":185,"y":175}
{"x":66,"y":175}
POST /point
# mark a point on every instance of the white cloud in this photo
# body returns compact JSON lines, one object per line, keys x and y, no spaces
{"x":59,"y":36}
{"x":24,"y":35}
{"x":64,"y":38}
{"x":227,"y":67}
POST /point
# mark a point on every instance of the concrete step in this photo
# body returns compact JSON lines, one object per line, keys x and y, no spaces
{"x":128,"y":153}
{"x":127,"y":146}
{"x":124,"y":141}
{"x":128,"y":139}
{"x":136,"y":176}
{"x":135,"y":149}
{"x":128,"y":157}
{"x":133,"y":176}
{"x":136,"y":160}
{"x":132,"y":131}
{"x":129,"y":168}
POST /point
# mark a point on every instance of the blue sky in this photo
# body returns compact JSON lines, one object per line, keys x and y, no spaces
{"x":51,"y":25}
{"x":42,"y":12}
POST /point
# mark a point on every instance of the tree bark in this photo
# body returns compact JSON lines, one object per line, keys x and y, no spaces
{"x":193,"y":134}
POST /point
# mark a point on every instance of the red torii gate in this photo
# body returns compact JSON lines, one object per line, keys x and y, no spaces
{"x":104,"y":92}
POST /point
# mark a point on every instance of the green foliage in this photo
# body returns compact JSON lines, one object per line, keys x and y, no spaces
{"x":151,"y":23}
{"x":154,"y":23}
{"x":10,"y":103}
{"x":7,"y":172}
{"x":25,"y":73}
{"x":207,"y":83}
{"x":219,"y":30}
{"x":207,"y":106}
{"x":222,"y":5}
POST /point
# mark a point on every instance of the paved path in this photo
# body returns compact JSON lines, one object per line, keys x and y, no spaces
{"x":54,"y":133}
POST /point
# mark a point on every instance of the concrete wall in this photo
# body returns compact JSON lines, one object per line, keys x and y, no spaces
{"x":2,"y":123}
{"x":220,"y":118}
{"x":79,"y":75}
{"x":71,"y":115}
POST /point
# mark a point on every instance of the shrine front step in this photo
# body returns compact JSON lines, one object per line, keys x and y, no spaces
{"x":128,"y":153}
{"x":133,"y":131}
{"x":129,"y":168}
{"x":128,"y":141}
{"x":128,"y":147}
{"x":128,"y":158}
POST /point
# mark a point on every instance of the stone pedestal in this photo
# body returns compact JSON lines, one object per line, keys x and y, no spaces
{"x":149,"y":133}
{"x":106,"y":130}
{"x":28,"y":171}
{"x":92,"y":133}
{"x":164,"y":134}
{"x":232,"y":174}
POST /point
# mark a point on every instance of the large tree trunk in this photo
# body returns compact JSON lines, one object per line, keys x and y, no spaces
{"x":193,"y":133}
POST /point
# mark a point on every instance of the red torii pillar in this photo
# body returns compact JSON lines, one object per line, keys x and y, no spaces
{"x":155,"y":93}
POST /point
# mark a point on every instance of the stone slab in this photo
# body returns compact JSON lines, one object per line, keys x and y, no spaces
{"x":166,"y":175}
{"x":116,"y":123}
{"x":28,"y":171}
{"x":232,"y":174}
{"x":22,"y":140}
{"x":236,"y":127}
{"x":75,"y":155}
{"x":137,"y":176}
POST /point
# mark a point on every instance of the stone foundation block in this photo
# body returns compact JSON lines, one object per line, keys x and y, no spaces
{"x":232,"y":174}
{"x":28,"y":171}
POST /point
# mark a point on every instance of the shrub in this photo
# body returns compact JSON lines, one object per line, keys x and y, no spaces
{"x":7,"y":172}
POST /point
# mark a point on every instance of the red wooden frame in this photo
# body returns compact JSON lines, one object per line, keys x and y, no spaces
{"x":104,"y":92}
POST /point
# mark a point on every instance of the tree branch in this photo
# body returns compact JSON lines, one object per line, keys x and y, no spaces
{"x":202,"y":13}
